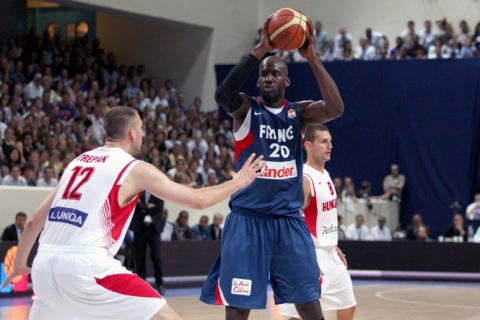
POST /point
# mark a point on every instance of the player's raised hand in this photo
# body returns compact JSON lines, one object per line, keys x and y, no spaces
{"x":309,"y":49}
{"x":17,"y":271}
{"x":265,"y":45}
{"x":250,"y":170}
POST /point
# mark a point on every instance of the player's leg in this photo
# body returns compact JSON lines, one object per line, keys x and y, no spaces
{"x":310,"y":310}
{"x":346,"y":314}
{"x":294,"y":270}
{"x":236,"y":313}
{"x":166,"y":313}
{"x":239,"y":277}
{"x":337,"y":288}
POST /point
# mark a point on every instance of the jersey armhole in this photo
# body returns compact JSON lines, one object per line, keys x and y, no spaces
{"x":244,"y":129}
{"x":125,"y":171}
{"x":312,"y":189}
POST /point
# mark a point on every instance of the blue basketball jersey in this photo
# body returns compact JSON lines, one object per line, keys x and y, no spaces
{"x":279,"y":191}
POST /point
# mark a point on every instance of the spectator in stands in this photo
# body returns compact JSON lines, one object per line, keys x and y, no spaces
{"x":358,"y":230}
{"x":457,"y":229}
{"x":182,"y":229}
{"x":14,"y":178}
{"x":364,"y":193}
{"x":321,"y":36}
{"x":393,"y":184}
{"x":412,"y":229}
{"x":168,"y":227}
{"x":338,"y":185}
{"x":328,"y":51}
{"x":365,"y":51}
{"x":201,"y":231}
{"x":29,"y":173}
{"x":427,"y":35}
{"x":473,"y":209}
{"x":410,"y":38}
{"x":464,"y":32}
{"x":349,"y":196}
{"x":3,"y":125}
{"x":212,"y":179}
{"x":216,"y":227}
{"x":340,"y":41}
{"x":398,"y":52}
{"x":381,"y":232}
{"x":376,"y":39}
{"x":14,"y":231}
{"x":34,"y":89}
{"x":423,"y":234}
{"x":48,"y":179}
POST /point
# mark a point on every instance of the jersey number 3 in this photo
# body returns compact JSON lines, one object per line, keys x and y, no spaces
{"x":79,"y":177}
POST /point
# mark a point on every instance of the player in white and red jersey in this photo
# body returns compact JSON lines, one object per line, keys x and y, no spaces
{"x":321,"y":218}
{"x":85,"y":220}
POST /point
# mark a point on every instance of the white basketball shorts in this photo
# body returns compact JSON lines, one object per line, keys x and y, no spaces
{"x":86,"y":284}
{"x":336,"y":284}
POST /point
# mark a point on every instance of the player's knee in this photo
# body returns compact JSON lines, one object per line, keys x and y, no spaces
{"x":346,"y":314}
{"x":310,"y":311}
{"x":166,"y":313}
{"x":237,"y":314}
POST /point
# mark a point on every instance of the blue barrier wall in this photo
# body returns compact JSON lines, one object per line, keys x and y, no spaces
{"x":423,"y":115}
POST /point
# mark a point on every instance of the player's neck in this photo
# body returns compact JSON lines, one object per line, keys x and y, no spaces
{"x":320,"y":166}
{"x":117,"y":144}
{"x":278,"y":103}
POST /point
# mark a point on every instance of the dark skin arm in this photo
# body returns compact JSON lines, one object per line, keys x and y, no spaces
{"x":259,"y":51}
{"x":331,"y":106}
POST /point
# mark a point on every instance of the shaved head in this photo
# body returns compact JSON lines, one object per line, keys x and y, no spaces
{"x":275,"y":60}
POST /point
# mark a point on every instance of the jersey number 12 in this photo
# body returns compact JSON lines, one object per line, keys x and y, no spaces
{"x":79,"y":177}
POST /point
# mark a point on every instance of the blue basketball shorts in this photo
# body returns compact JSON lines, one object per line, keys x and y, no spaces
{"x":256,"y":249}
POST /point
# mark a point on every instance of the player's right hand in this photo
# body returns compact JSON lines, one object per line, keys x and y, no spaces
{"x":17,"y":271}
{"x":250,"y":170}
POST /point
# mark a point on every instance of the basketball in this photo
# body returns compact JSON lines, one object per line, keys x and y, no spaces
{"x":287,"y":29}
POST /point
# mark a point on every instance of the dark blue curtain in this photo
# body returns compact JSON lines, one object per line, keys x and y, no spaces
{"x":423,"y":115}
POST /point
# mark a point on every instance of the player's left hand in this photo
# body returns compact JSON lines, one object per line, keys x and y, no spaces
{"x":17,"y":271}
{"x":343,"y":257}
{"x":309,"y":49}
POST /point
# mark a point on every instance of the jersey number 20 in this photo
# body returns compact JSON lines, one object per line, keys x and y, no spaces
{"x":79,"y":177}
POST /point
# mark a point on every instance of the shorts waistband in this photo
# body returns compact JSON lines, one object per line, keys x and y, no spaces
{"x":64,"y":249}
{"x":253,"y":213}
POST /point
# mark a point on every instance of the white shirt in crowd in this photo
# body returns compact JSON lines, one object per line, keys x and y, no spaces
{"x":42,"y":183}
{"x":383,"y":234}
{"x":354,"y":233}
{"x":473,"y":211}
{"x":167,"y":232}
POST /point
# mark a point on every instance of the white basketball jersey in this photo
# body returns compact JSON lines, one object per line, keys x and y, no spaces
{"x":85,"y":211}
{"x":321,"y":213}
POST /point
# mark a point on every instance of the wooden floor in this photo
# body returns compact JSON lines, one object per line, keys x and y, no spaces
{"x":376,"y":300}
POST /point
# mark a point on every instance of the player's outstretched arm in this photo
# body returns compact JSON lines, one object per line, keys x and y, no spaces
{"x":145,"y":176}
{"x":30,"y":233}
{"x":331,"y":106}
{"x":228,"y":93}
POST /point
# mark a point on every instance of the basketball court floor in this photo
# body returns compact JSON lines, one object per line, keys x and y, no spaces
{"x":377,"y":300}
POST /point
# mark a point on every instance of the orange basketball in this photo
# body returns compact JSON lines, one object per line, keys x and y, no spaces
{"x":287,"y":29}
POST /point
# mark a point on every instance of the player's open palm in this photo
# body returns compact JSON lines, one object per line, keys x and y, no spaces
{"x":250,"y":170}
{"x":17,"y":271}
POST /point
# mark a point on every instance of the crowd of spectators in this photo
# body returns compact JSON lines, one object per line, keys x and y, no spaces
{"x":433,"y":40}
{"x":54,"y":94}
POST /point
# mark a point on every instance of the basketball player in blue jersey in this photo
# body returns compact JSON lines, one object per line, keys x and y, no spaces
{"x":265,"y":237}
